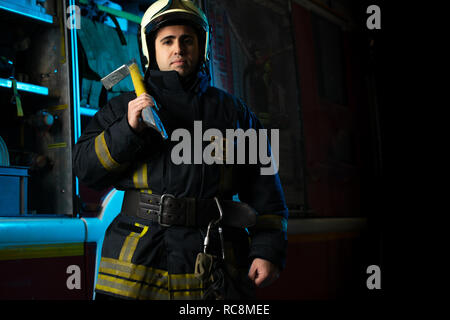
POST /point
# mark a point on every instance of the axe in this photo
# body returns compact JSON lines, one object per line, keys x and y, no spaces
{"x":149,"y":115}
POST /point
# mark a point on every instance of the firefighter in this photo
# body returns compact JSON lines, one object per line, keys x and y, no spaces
{"x":179,"y":234}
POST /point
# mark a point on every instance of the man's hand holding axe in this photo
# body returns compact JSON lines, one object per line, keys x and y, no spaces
{"x":135,"y":108}
{"x":141,"y":111}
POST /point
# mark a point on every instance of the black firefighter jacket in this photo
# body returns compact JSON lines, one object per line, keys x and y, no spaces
{"x":110,"y":153}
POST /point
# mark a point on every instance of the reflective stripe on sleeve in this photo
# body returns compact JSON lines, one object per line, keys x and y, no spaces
{"x":103,"y":155}
{"x":140,"y":177}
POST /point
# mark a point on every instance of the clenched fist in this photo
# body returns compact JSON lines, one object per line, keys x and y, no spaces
{"x":135,"y":108}
{"x":263,"y":272}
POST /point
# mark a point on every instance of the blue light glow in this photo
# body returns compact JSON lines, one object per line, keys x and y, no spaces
{"x":75,"y":89}
{"x":22,"y":86}
{"x":88,"y":111}
{"x":24,"y":11}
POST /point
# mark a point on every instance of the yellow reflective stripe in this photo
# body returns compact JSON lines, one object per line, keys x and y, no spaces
{"x":140,"y":177}
{"x":130,"y":288}
{"x":146,"y":191}
{"x":131,"y":268}
{"x":186,"y":281}
{"x":125,"y":252}
{"x":103,"y":155}
{"x":130,"y":243}
{"x":187,"y":295}
{"x":116,"y":286}
{"x":149,"y":275}
{"x":271,"y":221}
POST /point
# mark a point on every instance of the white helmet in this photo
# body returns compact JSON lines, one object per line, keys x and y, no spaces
{"x":163,"y":12}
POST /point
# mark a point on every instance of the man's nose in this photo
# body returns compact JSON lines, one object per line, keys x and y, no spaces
{"x":179,"y":47}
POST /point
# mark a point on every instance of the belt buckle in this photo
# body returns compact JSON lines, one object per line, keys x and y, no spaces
{"x":161,"y":209}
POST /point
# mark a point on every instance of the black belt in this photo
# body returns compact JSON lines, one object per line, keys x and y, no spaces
{"x":191,"y":212}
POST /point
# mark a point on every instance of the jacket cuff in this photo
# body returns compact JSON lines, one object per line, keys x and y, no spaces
{"x":271,"y":246}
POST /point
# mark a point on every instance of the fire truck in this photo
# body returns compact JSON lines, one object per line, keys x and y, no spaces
{"x":306,"y":67}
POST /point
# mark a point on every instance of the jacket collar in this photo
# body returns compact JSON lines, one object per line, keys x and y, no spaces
{"x":170,"y":81}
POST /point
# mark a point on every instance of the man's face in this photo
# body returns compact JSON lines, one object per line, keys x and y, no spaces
{"x":176,"y":48}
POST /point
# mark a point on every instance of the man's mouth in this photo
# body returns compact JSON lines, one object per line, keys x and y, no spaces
{"x":179,"y":62}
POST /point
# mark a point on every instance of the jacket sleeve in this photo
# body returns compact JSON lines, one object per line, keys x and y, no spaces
{"x":106,"y":146}
{"x":261,"y":188}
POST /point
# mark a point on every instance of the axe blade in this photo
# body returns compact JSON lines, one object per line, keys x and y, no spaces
{"x":115,"y":77}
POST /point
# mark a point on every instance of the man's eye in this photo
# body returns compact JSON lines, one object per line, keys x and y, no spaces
{"x":166,"y":42}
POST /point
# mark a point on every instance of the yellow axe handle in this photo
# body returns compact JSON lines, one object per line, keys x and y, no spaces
{"x":149,"y":116}
{"x":138,"y":80}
